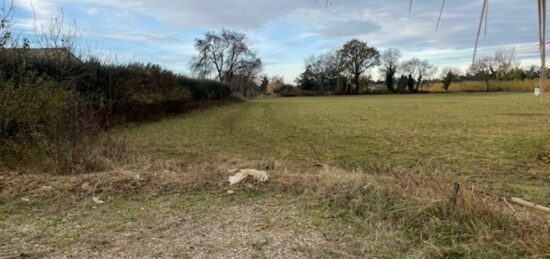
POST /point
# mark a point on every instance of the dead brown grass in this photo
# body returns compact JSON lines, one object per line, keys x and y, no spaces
{"x":419,"y":206}
{"x":494,"y":86}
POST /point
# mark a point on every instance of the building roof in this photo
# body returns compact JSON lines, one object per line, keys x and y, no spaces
{"x":47,"y":53}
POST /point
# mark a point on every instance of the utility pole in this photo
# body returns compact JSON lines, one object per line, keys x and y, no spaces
{"x":542,"y":39}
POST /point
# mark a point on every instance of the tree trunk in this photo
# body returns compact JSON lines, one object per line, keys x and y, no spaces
{"x":418,"y":83}
{"x":356,"y":80}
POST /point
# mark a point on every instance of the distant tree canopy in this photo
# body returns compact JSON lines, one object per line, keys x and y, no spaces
{"x":275,"y":84}
{"x":356,"y":57}
{"x":342,"y":70}
{"x":322,"y":73}
{"x":334,"y":71}
{"x":483,"y":68}
{"x":449,"y":75}
{"x":503,"y":65}
{"x":228,"y":56}
{"x":390,"y":64}
{"x":418,"y":69}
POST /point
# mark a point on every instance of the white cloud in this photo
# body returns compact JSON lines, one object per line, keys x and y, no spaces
{"x":91,"y":11}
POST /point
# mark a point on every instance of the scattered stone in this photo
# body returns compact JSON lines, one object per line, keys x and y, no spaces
{"x":97,"y":200}
{"x":46,"y":188}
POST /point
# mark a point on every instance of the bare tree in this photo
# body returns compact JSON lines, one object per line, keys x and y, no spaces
{"x":211,"y":56}
{"x":390,"y":63}
{"x":59,"y":34}
{"x":356,"y":57}
{"x":506,"y":62}
{"x":245,"y":77}
{"x":226,"y":54}
{"x":419,"y":70}
{"x":484,"y":68}
{"x":6,"y":17}
{"x":59,"y":43}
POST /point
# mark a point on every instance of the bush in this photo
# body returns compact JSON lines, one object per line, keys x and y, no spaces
{"x":284,"y":89}
{"x":120,"y":92}
{"x":205,"y":90}
{"x":50,"y":107}
{"x":40,"y":120}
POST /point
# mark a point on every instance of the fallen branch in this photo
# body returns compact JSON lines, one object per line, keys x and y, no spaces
{"x":516,"y":200}
{"x":530,"y":205}
{"x":507,"y":203}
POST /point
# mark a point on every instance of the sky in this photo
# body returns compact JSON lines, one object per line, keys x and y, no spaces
{"x":286,"y":32}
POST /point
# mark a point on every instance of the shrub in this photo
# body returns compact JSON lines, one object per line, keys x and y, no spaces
{"x":38,"y":118}
{"x":205,"y":90}
{"x":284,"y":89}
{"x":120,"y":92}
{"x":50,"y":107}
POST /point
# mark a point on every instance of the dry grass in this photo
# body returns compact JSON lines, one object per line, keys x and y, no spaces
{"x":351,"y":208}
{"x":481,"y":86}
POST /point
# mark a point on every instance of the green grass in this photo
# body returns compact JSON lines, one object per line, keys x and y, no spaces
{"x":500,"y":140}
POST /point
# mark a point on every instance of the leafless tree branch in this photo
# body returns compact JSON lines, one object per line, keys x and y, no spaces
{"x":6,"y":18}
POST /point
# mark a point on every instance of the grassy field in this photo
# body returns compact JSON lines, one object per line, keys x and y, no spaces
{"x":494,"y":86}
{"x":386,"y":191}
{"x":502,"y":140}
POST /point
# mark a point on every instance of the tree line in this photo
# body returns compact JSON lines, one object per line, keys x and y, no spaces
{"x":348,"y":70}
{"x":227,"y":57}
